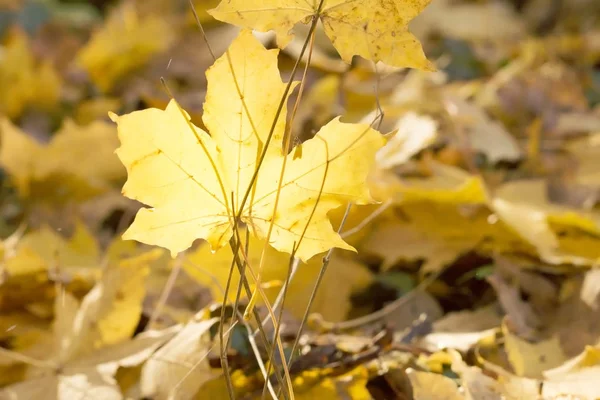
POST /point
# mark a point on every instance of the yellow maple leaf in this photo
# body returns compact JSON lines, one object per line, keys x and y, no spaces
{"x":196,"y":182}
{"x":559,"y":234}
{"x":90,"y":338}
{"x":374,"y":29}
{"x":25,"y":82}
{"x":78,"y":161}
{"x":127,"y":41}
{"x":32,"y":265}
{"x":29,"y":266}
{"x":443,"y":216}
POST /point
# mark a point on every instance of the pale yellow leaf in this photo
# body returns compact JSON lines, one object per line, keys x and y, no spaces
{"x":483,"y":134}
{"x":396,"y":241}
{"x":577,"y":377}
{"x":109,"y":313}
{"x":18,"y":154}
{"x":430,"y":386}
{"x":43,"y":255}
{"x":532,"y":359}
{"x":414,"y":133}
{"x":178,"y":369}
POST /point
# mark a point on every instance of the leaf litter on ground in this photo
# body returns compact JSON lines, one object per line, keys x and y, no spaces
{"x":474,"y":275}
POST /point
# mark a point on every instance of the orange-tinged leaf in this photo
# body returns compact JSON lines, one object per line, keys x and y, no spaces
{"x":374,"y":29}
{"x":190,"y":178}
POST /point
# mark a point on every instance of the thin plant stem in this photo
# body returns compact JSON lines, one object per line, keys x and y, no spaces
{"x":288,"y":87}
{"x":223,"y":344}
{"x":199,"y":24}
{"x":164,"y":295}
{"x":277,"y":324}
{"x":198,"y":362}
{"x":278,"y":301}
{"x":384,"y":206}
{"x":285,"y":150}
{"x":379,"y":314}
{"x":261,"y":364}
{"x":13,"y":355}
{"x":378,"y":120}
{"x":240,"y":319}
{"x":313,"y":294}
{"x":257,"y":317}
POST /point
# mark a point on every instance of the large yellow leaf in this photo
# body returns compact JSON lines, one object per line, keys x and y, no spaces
{"x":190,"y":178}
{"x":374,"y":29}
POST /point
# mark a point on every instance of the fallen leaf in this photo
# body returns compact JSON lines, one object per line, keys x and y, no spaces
{"x":469,"y":21}
{"x":430,"y":386}
{"x":462,"y":330}
{"x":477,"y":385}
{"x":532,"y":359}
{"x":25,"y":82}
{"x":381,"y":26}
{"x":42,"y":257}
{"x":193,"y":174}
{"x":414,"y":133}
{"x":524,"y":206}
{"x":126,"y":42}
{"x":311,"y":385}
{"x":397,"y":241}
{"x":586,"y":151}
{"x":179,"y":368}
{"x":577,"y":376}
{"x":77,"y":163}
{"x":91,"y":338}
{"x":483,"y":134}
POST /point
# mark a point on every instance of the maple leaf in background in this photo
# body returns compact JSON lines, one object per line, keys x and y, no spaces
{"x":79,"y":162}
{"x":25,"y":82}
{"x":191,"y":179}
{"x":374,"y":29}
{"x":91,"y":338}
{"x":126,"y":42}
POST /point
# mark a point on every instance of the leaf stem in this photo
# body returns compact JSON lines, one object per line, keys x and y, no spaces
{"x":379,"y":314}
{"x":313,"y":295}
{"x":288,"y":87}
